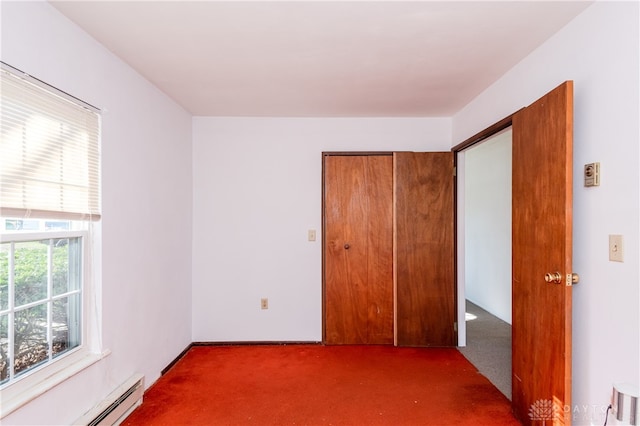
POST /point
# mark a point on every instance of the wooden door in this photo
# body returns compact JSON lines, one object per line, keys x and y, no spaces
{"x":425,"y":288}
{"x":358,"y":249}
{"x":542,"y":243}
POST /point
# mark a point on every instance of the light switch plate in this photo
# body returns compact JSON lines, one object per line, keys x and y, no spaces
{"x":616,"y":248}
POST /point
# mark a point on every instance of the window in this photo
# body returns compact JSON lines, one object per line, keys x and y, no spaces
{"x":49,"y":215}
{"x":43,"y":276}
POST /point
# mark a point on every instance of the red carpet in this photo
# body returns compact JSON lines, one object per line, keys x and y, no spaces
{"x":322,"y":385}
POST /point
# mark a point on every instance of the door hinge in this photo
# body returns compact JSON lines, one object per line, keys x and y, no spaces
{"x":455,"y":326}
{"x":455,"y":171}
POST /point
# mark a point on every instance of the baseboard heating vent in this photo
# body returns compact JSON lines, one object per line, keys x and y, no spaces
{"x":117,"y":405}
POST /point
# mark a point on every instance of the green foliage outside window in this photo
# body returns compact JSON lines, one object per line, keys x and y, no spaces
{"x":31,"y":265}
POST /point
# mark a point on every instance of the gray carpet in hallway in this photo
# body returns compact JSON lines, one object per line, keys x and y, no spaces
{"x":489,"y":347}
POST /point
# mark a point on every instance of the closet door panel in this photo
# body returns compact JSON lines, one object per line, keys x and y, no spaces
{"x":380,"y":249}
{"x":424,"y":275}
{"x":358,"y":249}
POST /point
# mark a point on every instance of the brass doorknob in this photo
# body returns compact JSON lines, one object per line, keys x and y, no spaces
{"x":555,"y":278}
{"x":346,"y":246}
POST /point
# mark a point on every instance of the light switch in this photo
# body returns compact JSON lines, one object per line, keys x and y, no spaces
{"x":616,"y":252}
{"x":312,"y":235}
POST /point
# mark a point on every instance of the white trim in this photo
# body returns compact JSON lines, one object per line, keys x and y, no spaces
{"x":81,"y":361}
{"x":22,"y":236}
{"x":34,"y":383}
{"x":462,"y":321}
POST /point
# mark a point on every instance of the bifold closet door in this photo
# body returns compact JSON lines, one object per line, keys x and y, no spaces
{"x":424,"y":258}
{"x":358,"y":249}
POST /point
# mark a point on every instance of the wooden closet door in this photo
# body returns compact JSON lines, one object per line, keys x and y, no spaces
{"x":358,"y":249}
{"x":425,"y":287}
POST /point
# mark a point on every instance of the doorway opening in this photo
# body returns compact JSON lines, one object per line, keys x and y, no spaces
{"x":484,"y":270}
{"x":541,"y":240}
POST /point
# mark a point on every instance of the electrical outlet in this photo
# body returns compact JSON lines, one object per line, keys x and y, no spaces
{"x":264,"y":303}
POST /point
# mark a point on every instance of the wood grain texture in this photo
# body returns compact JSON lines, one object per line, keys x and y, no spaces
{"x":425,"y":292}
{"x":542,"y":242}
{"x":358,"y":284}
{"x":380,"y":249}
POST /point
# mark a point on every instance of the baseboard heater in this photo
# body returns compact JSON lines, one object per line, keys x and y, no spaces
{"x":117,"y":405}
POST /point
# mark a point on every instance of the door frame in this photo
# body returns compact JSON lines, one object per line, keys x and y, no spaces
{"x":458,"y":246}
{"x":440,"y":170}
{"x":547,"y":372}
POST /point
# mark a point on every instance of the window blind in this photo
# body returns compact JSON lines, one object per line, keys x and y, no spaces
{"x":49,"y":152}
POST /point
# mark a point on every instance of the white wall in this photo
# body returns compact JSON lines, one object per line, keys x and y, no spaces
{"x":257,"y":190}
{"x":146,"y":227}
{"x":599,"y":50}
{"x":487,"y":225}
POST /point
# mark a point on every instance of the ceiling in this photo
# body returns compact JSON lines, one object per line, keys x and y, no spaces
{"x":321,"y":58}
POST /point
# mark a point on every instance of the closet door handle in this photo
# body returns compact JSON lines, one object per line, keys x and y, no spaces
{"x":346,"y":246}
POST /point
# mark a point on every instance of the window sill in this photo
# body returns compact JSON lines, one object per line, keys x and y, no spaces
{"x":17,"y":400}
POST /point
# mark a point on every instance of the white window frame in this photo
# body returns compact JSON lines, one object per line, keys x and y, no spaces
{"x":31,"y":384}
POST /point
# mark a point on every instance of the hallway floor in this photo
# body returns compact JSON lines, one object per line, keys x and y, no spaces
{"x":489,"y":347}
